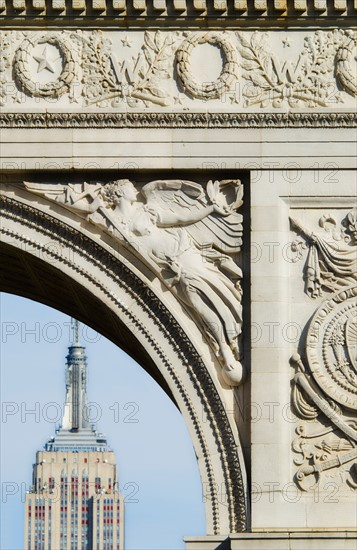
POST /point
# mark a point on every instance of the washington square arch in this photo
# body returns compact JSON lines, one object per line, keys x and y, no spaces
{"x":179,"y":175}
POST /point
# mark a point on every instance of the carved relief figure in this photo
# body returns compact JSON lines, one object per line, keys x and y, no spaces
{"x":324,"y":390}
{"x":332,"y":258}
{"x":188,"y":235}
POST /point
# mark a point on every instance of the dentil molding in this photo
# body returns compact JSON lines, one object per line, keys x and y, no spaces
{"x":197,"y":14}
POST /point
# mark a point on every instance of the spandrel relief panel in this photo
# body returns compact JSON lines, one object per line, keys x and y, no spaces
{"x":189,"y":235}
{"x":227,"y":71}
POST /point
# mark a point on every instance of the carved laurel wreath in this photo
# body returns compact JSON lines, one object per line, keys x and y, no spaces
{"x":229,"y":74}
{"x":344,"y":73}
{"x":53,"y":89}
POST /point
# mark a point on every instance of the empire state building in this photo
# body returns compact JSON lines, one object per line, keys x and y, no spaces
{"x":74,"y":503}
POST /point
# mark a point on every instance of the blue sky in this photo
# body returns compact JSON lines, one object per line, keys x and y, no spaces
{"x":158,"y":472}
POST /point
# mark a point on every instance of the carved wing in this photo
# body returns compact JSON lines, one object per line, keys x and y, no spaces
{"x":220,"y":231}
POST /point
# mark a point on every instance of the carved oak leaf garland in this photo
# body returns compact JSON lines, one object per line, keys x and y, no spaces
{"x":229,"y":73}
{"x":258,"y":68}
{"x":53,"y":89}
{"x":344,"y":57}
{"x":5,"y":43}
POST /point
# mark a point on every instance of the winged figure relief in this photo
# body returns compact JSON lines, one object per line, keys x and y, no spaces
{"x":190,"y":235}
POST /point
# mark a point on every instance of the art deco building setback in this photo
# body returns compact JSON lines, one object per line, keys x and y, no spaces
{"x":74,"y":502}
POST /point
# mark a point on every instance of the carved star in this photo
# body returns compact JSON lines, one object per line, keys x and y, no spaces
{"x":286,"y":42}
{"x":178,"y":99}
{"x":126,"y":42}
{"x":44,"y":62}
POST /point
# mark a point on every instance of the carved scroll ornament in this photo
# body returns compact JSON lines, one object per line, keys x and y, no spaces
{"x":187,"y":234}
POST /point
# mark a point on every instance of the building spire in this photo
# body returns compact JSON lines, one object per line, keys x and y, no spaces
{"x":75,"y":330}
{"x":76,"y":431}
{"x":75,"y":417}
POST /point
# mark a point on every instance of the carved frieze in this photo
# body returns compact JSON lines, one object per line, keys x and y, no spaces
{"x":189,"y":235}
{"x":324,"y":391}
{"x":155,"y":69}
{"x":164,"y":119}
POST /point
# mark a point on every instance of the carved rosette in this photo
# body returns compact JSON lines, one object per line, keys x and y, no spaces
{"x":229,"y":73}
{"x":26,"y":77}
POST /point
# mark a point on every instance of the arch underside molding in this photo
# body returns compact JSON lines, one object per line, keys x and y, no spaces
{"x":126,"y":310}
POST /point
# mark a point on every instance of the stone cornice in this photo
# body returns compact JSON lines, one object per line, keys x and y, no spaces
{"x":196,"y":14}
{"x":179,"y":120}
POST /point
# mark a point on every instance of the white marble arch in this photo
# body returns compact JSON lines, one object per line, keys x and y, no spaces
{"x":53,"y":256}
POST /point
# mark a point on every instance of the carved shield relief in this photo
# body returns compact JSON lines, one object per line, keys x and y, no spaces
{"x":324,"y":390}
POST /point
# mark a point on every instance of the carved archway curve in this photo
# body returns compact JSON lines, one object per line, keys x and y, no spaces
{"x":25,"y":231}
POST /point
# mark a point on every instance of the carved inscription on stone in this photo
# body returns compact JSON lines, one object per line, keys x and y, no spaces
{"x":160,"y":69}
{"x":324,"y":392}
{"x":188,"y":234}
